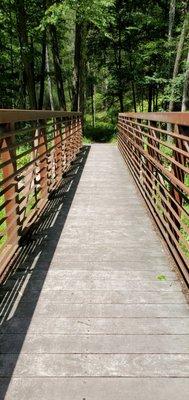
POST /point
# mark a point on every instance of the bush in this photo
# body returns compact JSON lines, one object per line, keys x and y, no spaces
{"x":101,"y":133}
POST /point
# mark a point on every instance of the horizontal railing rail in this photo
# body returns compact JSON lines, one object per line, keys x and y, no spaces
{"x":36,"y":149}
{"x":155,"y":147}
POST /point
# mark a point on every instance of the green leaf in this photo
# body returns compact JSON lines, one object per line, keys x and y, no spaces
{"x":161,"y":278}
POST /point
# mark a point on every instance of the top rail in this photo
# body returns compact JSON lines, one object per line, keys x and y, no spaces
{"x":7,"y":116}
{"x":155,"y":147}
{"x":179,"y":118}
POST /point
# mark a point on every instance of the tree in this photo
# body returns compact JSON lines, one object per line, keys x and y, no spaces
{"x":57,"y":66}
{"x":171,"y":19}
{"x":185,"y":96}
{"x":179,"y":52}
{"x":79,"y":75}
{"x":134,"y":51}
{"x":26,"y":52}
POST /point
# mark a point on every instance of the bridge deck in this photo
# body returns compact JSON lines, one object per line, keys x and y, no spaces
{"x":85,"y":317}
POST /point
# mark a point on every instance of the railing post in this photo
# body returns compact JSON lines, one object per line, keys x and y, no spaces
{"x":43,"y":164}
{"x":75,"y":138}
{"x":58,"y":151}
{"x":64,"y":148}
{"x":66,"y":133}
{"x":68,"y":144}
{"x":10,"y":188}
{"x":71,"y":140}
{"x":76,"y":135}
{"x":80,"y":131}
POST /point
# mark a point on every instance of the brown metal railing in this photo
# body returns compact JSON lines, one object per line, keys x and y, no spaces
{"x":36,"y":148}
{"x":155,"y":147}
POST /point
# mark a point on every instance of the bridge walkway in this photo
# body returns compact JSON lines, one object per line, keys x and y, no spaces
{"x":95,"y":310}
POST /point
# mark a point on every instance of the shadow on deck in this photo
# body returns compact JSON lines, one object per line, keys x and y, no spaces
{"x":84,"y":313}
{"x":35,"y":254}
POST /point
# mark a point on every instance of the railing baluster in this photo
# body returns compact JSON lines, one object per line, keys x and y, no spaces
{"x":10,"y":187}
{"x":58,"y":151}
{"x":43,"y":164}
{"x":67,"y":148}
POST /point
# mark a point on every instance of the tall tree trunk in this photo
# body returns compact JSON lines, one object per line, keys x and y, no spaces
{"x":70,"y":87}
{"x":49,"y":80}
{"x":185,"y":97}
{"x":76,"y":76}
{"x":22,"y":89}
{"x":150,"y":97}
{"x":133,"y":84}
{"x":42,"y":75}
{"x":26,"y":52}
{"x":171,"y":19}
{"x":132,"y":76}
{"x":156,"y":103}
{"x":134,"y":96}
{"x":177,"y":60}
{"x":142,"y":100}
{"x":11,"y":55}
{"x":57,"y":67}
{"x":121,"y":96}
{"x":93,"y":103}
{"x":118,"y":46}
{"x":79,"y":78}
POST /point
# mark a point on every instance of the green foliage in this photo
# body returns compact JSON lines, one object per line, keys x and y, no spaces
{"x":93,"y":11}
{"x":101,"y":133}
{"x":129,"y":56}
{"x":177,"y":84}
{"x":161,"y":277}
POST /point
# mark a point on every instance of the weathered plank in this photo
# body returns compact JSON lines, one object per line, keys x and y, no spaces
{"x":86,"y":315}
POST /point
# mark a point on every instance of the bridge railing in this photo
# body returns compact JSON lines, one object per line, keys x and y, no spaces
{"x":36,"y":148}
{"x":155,"y":147}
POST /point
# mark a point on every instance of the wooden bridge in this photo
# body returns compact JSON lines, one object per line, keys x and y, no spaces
{"x":93,"y":274}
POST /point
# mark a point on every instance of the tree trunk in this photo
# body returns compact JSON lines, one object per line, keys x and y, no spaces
{"x":177,"y":61}
{"x":156,"y":104}
{"x":42,"y":77}
{"x":132,"y":79}
{"x":93,"y":104}
{"x":22,"y":89}
{"x":76,"y":77}
{"x":134,"y":96}
{"x":121,"y":97}
{"x":49,"y":80}
{"x":70,"y":87}
{"x":26,"y":53}
{"x":57,"y":67}
{"x":171,"y":19}
{"x":79,"y":77}
{"x":185,"y":97}
{"x":150,"y":98}
{"x":142,"y":100}
{"x":11,"y":55}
